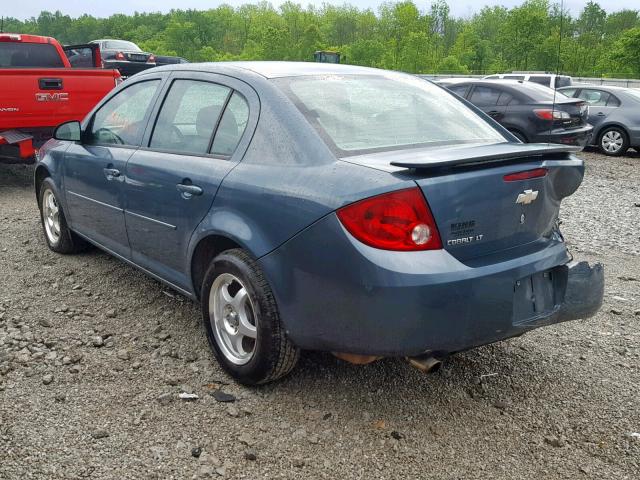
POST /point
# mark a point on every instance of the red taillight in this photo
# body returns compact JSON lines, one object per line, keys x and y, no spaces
{"x":527,"y":174}
{"x":544,"y":113}
{"x":120,"y":56}
{"x":399,"y":220}
{"x":151,"y":59}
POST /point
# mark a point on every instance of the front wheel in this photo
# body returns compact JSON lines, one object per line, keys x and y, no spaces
{"x":57,"y":234}
{"x":242,"y":321}
{"x":613,"y":142}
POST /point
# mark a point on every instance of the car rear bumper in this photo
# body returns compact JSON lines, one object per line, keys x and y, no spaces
{"x":573,"y":136}
{"x":127,"y":69}
{"x":347,"y":297}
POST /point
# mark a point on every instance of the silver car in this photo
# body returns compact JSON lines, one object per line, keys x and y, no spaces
{"x":614,"y":113}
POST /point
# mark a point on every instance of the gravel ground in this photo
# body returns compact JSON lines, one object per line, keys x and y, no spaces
{"x":94,"y":356}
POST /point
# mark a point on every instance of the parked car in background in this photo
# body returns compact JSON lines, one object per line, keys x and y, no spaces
{"x":531,"y":112}
{"x":169,"y":60}
{"x":39,"y":89}
{"x":321,"y":206}
{"x":125,"y":56}
{"x":615,"y":114}
{"x":550,"y":80}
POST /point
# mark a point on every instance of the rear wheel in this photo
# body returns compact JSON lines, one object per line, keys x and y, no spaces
{"x":613,"y":142}
{"x":242,"y":321}
{"x":57,"y":234}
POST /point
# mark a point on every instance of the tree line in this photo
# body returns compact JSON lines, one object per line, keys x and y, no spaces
{"x":397,"y":36}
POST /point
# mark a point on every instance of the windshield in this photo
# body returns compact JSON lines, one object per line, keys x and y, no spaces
{"x":356,"y":113}
{"x":120,"y":45}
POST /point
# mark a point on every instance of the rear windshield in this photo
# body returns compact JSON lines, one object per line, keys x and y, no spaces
{"x":14,"y":54}
{"x":121,"y":45}
{"x":563,"y":81}
{"x":360,"y":113}
{"x":539,"y":93}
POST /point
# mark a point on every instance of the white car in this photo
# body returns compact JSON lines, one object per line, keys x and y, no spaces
{"x":547,"y":79}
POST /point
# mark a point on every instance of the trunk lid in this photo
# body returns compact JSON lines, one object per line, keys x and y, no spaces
{"x":476,"y":210}
{"x":576,"y":108}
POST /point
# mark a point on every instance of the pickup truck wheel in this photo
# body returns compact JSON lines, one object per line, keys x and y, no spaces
{"x":613,"y":142}
{"x":56,"y":232}
{"x":242,"y":321}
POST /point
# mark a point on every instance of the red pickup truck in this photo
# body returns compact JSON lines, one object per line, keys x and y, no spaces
{"x":43,"y":84}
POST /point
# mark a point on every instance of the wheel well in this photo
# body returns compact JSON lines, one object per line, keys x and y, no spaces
{"x":40,"y":175}
{"x":204,"y":252}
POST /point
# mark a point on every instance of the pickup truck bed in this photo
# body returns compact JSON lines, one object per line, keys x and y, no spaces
{"x":35,"y":99}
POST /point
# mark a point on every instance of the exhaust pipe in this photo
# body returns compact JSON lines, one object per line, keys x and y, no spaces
{"x":426,"y":363}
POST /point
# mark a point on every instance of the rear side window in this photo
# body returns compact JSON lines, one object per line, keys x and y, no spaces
{"x":121,"y":120}
{"x":232,"y":126}
{"x":189,"y":116}
{"x":540,"y":80}
{"x":613,"y":101}
{"x":505,"y":99}
{"x":19,"y":55}
{"x":484,"y":96}
{"x":563,"y":81}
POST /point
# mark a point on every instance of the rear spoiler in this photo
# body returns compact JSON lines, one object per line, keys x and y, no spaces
{"x":475,"y":154}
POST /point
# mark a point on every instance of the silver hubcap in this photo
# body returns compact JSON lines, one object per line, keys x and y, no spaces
{"x":612,"y":141}
{"x":51,"y":216}
{"x":232,"y":318}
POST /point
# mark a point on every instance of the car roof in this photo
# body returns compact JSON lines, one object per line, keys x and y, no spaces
{"x":482,"y":81}
{"x":269,"y":69}
{"x":613,"y":88}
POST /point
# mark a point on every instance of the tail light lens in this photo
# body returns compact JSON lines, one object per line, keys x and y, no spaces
{"x":399,"y":220}
{"x":151,"y":59}
{"x":550,"y":114}
{"x":120,"y":56}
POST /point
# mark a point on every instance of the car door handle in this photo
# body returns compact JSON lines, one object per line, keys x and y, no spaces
{"x":111,"y":173}
{"x":189,"y":190}
{"x":601,"y":114}
{"x":493,"y":112}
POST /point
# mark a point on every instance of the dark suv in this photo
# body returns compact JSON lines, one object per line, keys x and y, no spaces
{"x":531,"y":112}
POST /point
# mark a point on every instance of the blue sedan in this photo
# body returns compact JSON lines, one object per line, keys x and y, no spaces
{"x":323,"y":207}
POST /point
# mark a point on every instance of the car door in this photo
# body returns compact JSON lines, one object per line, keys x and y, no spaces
{"x":171,"y":182}
{"x":94,"y":169}
{"x":486,"y":98}
{"x":601,"y":104}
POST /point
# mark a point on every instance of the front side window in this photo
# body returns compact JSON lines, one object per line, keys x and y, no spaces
{"x":188,"y":116}
{"x":359,"y":113}
{"x":232,"y":126}
{"x":43,"y":55}
{"x":484,"y":96}
{"x":597,"y":98}
{"x":121,"y":120}
{"x":569,"y":92}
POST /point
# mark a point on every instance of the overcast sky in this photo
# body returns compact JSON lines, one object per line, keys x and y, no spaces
{"x":102,"y":8}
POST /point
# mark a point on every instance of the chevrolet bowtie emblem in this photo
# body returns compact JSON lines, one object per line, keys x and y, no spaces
{"x":527,"y":197}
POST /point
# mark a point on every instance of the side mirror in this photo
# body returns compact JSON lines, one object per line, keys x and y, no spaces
{"x":69,"y":131}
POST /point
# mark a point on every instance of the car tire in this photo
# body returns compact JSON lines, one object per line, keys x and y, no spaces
{"x":613,"y":141}
{"x":57,"y":234}
{"x":242,"y":321}
{"x":519,"y":136}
